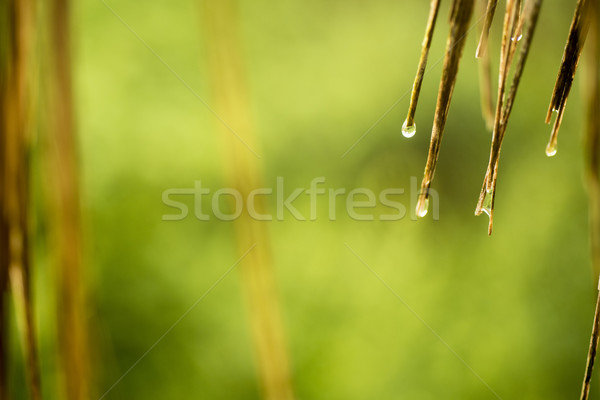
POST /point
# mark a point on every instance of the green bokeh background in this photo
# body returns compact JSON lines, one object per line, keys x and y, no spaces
{"x":516,"y":307}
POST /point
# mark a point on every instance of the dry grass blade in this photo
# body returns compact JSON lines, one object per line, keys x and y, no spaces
{"x":487,"y":24}
{"x":409,"y":128}
{"x":459,"y":22}
{"x":592,"y":147}
{"x":568,"y":68}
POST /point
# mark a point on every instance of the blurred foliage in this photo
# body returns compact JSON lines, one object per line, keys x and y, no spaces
{"x":516,"y":307}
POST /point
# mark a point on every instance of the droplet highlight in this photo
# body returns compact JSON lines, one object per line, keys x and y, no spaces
{"x":422,"y":207}
{"x":551,"y":149}
{"x":486,"y":206}
{"x":409,"y":130}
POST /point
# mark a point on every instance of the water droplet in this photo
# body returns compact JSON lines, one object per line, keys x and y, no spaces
{"x":486,"y":206}
{"x":516,"y":39}
{"x":422,"y":206}
{"x":551,"y":149}
{"x":409,"y":131}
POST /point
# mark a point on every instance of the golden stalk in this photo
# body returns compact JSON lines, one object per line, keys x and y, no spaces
{"x":409,"y":127}
{"x":65,"y":211}
{"x":232,"y":103}
{"x":459,"y":22}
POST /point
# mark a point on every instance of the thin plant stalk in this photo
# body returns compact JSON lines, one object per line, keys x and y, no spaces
{"x":257,"y":270}
{"x":408,"y":129}
{"x":459,"y":22}
{"x":568,"y":68}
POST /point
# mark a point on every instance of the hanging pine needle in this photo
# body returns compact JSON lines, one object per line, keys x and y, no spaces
{"x":460,"y":15}
{"x":514,"y":23}
{"x":409,"y":128}
{"x":568,"y":68}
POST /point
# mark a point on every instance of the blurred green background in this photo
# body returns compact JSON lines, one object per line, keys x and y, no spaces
{"x":516,"y":307}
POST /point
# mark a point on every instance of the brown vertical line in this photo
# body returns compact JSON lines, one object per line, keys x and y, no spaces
{"x":459,"y":23}
{"x":487,"y":24}
{"x":414,"y":97}
{"x":231,"y":101}
{"x":592,"y":169}
{"x":65,"y":216}
{"x":18,"y":103}
{"x":568,"y":68}
{"x":487,"y":195}
{"x":4,"y":227}
{"x":485,"y":85}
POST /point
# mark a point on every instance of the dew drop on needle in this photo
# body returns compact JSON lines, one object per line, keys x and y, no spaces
{"x":486,"y":206}
{"x":422,"y":207}
{"x":551,"y":149}
{"x":409,"y":130}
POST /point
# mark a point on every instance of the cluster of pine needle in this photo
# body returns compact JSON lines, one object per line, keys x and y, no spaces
{"x":520,"y":21}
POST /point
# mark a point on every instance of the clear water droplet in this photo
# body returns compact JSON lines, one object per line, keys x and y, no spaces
{"x":551,"y":149}
{"x":422,"y":207}
{"x":516,"y":39}
{"x":409,"y":131}
{"x":486,"y":206}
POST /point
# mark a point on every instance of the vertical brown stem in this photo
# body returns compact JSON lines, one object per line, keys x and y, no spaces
{"x":65,"y":211}
{"x":17,"y":103}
